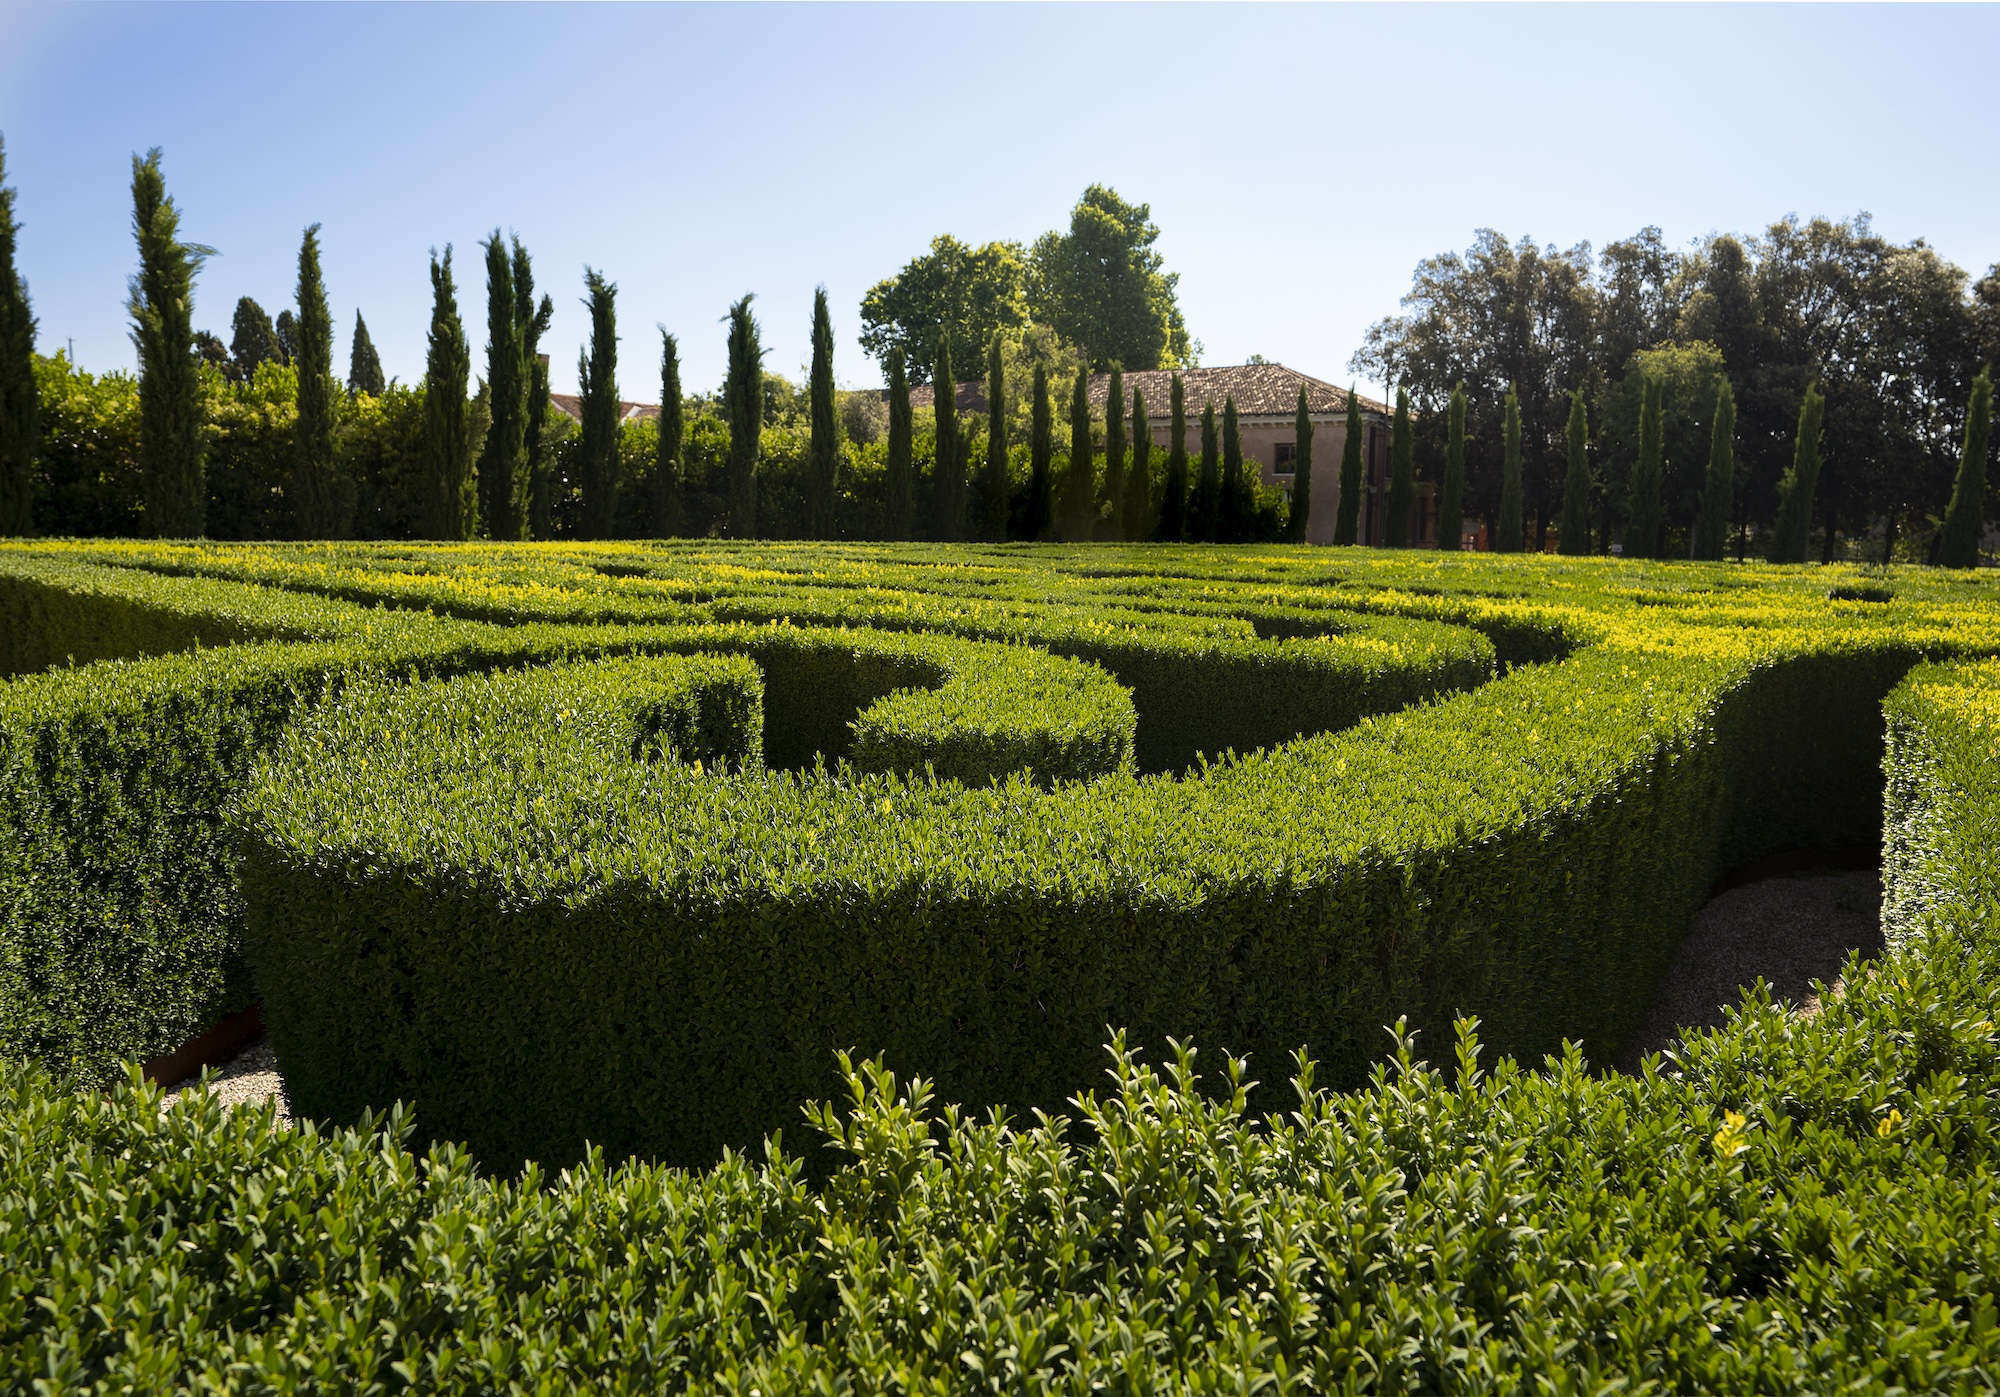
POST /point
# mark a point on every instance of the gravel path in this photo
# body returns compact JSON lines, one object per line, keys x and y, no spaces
{"x":1791,"y":931}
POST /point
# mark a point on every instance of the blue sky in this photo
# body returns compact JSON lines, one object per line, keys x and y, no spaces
{"x":1299,"y":160}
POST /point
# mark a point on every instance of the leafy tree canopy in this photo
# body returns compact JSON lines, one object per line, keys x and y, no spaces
{"x":1103,"y":286}
{"x":954,"y":292}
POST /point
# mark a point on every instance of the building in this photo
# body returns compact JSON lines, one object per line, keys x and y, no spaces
{"x":571,"y":406}
{"x":1267,"y":397}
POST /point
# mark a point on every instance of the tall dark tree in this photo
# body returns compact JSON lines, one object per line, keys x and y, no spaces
{"x":1138,"y":508}
{"x":253,"y":340}
{"x":364,"y":365}
{"x":1078,"y":511}
{"x":1207,"y":513}
{"x":1507,"y":538}
{"x":1451,"y":498}
{"x":20,"y":404}
{"x":900,"y":481}
{"x":1114,"y":451}
{"x":1718,"y":496}
{"x":453,"y":506}
{"x":1402,"y":473}
{"x":1958,"y":541}
{"x":823,"y":454}
{"x":1041,"y":456}
{"x":316,"y":492}
{"x":1643,"y":511}
{"x":1235,"y":526}
{"x":1302,"y":470}
{"x":1347,"y":518}
{"x":210,"y":349}
{"x":503,"y":459}
{"x":287,"y":330}
{"x":1573,"y":536}
{"x":667,"y":486}
{"x":597,"y":378}
{"x":948,"y":464}
{"x":1173,"y":499}
{"x":533,"y":322}
{"x":162,"y":308}
{"x":743,"y":408}
{"x":993,"y":480}
{"x":1793,"y":530}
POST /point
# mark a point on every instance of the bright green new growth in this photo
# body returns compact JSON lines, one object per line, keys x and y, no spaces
{"x":1451,"y":497}
{"x":1302,"y":464}
{"x":597,"y":379}
{"x":1711,"y":534}
{"x":162,"y":306}
{"x":900,"y":468}
{"x":1138,"y":504}
{"x":1207,"y":523}
{"x":1402,"y":473}
{"x":948,"y":466}
{"x":1347,"y":519}
{"x":1644,"y":517}
{"x":20,"y":407}
{"x":452,"y":506}
{"x":1508,"y":535}
{"x":1041,"y":458}
{"x":1114,"y":453}
{"x":1958,"y":542}
{"x":1174,"y":499}
{"x":743,"y":410}
{"x":1573,"y":540}
{"x":993,"y":480}
{"x":823,"y":452}
{"x":364,"y":365}
{"x":503,"y":459}
{"x":1793,"y":531}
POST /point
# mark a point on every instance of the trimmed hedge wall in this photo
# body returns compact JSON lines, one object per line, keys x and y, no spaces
{"x":1803,"y":1206}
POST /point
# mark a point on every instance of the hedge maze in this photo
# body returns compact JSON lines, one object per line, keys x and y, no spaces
{"x":600,"y":854}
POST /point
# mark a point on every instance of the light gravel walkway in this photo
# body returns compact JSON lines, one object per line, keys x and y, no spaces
{"x":251,"y":1076}
{"x":1791,"y":931}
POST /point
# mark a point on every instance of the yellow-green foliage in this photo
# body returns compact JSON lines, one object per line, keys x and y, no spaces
{"x":512,"y":846}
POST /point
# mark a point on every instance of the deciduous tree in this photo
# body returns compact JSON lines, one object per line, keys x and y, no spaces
{"x":1104,"y":288}
{"x":954,"y":295}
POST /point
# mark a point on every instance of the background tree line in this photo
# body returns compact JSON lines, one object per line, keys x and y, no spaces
{"x":1892,"y":335}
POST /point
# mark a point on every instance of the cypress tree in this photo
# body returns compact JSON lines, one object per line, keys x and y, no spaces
{"x":1207,"y":519}
{"x":1041,"y":456}
{"x":1173,"y":500}
{"x":900,"y":479}
{"x":1642,"y":526}
{"x":364,"y":365}
{"x":447,"y":445}
{"x":1718,"y":502}
{"x":1139,"y":478}
{"x":1302,"y":470}
{"x":1235,"y":527}
{"x":743,"y":407}
{"x":1795,"y":492}
{"x":673,"y":434}
{"x":1451,"y":500}
{"x":502,"y":458}
{"x":1958,"y":541}
{"x":948,"y":467}
{"x":1574,"y":538}
{"x":1402,"y":473}
{"x":823,"y":454}
{"x":597,"y":379}
{"x":316,"y":506}
{"x":993,"y":481}
{"x":1114,"y":451}
{"x":20,"y":402}
{"x":1082,"y":476}
{"x":1508,"y":537}
{"x":536,"y":487}
{"x":162,"y":308}
{"x":1347,"y":520}
{"x":253,"y":340}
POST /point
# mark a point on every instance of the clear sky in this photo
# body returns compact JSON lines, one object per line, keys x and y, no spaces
{"x":1298,"y":159}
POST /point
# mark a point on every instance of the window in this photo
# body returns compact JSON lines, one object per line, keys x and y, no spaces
{"x":1287,"y":454}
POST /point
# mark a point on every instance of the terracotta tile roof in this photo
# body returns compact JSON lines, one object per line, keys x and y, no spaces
{"x":1260,"y":390}
{"x":571,"y":406}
